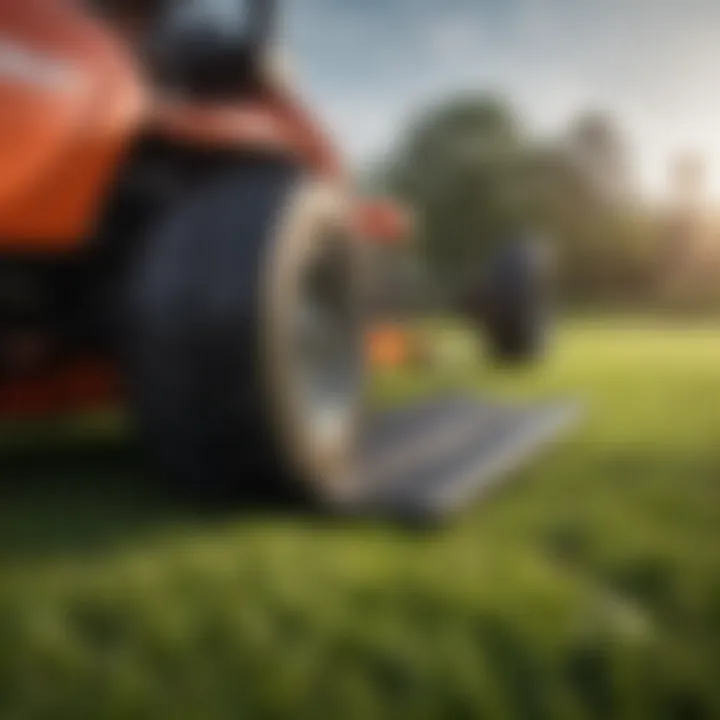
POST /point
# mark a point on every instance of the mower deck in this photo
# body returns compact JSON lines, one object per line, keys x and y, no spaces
{"x":433,"y":458}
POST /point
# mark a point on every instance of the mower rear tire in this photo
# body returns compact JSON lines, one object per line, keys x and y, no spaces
{"x":221,"y":342}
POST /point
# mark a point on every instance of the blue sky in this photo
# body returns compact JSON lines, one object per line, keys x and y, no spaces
{"x":655,"y":64}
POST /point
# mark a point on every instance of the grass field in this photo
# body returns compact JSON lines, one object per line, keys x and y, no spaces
{"x":588,"y":588}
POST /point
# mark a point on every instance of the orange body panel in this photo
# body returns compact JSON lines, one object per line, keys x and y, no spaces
{"x":78,"y":385}
{"x":276,"y":123}
{"x":70,"y":101}
{"x":383,"y":222}
{"x":279,"y":125}
{"x":388,"y":346}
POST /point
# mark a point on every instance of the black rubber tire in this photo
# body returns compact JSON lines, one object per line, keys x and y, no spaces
{"x":517,"y":302}
{"x":208,"y":306}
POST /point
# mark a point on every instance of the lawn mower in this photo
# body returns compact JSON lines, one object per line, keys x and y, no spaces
{"x":179,"y":236}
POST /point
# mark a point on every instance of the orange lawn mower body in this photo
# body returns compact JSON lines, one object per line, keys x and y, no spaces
{"x":84,"y":126}
{"x":390,"y":342}
{"x":179,"y":237}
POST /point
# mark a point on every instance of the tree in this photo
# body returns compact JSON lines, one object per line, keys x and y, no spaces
{"x":460,"y":168}
{"x":597,"y":146}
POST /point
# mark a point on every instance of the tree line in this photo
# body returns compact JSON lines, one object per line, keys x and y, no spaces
{"x":474,"y":176}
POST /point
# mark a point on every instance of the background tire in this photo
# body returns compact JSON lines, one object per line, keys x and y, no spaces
{"x":212,"y":364}
{"x":517,"y":301}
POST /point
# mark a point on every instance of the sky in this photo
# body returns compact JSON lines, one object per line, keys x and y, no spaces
{"x":369,"y":65}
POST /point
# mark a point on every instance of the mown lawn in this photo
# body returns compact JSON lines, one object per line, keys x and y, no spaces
{"x":588,"y":588}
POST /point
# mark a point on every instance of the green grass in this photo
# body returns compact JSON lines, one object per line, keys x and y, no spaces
{"x":588,"y":588}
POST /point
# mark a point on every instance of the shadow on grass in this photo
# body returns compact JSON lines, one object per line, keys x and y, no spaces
{"x":79,"y":499}
{"x":87,"y":499}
